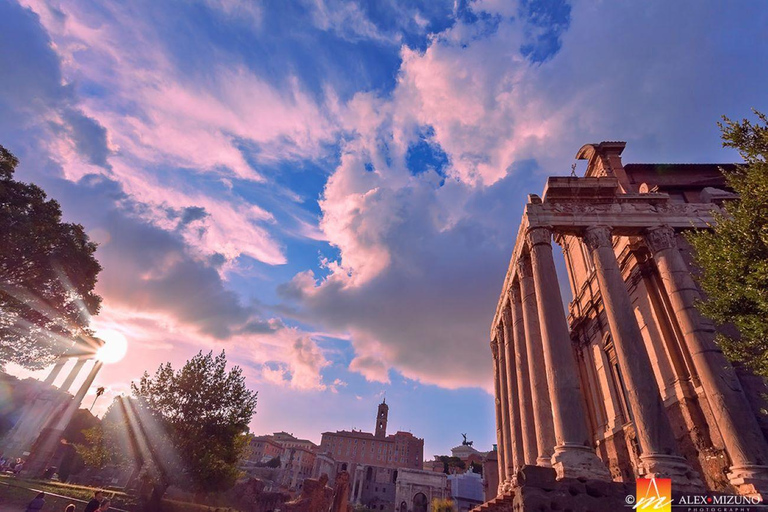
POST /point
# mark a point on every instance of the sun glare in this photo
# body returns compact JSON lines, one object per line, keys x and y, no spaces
{"x":114,"y":348}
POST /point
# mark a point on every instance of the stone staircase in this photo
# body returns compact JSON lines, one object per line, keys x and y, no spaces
{"x":501,"y":503}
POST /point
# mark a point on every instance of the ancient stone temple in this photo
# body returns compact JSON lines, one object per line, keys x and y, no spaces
{"x":628,"y":382}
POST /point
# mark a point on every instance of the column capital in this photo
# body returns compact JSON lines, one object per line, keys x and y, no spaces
{"x":514,"y":292}
{"x":506,"y":316}
{"x":495,"y":348}
{"x":598,"y":236}
{"x":538,"y":236}
{"x":659,"y":238}
{"x":524,"y":266}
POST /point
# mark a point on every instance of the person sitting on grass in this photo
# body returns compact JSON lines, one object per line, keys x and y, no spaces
{"x":93,"y":505}
{"x":37,"y":504}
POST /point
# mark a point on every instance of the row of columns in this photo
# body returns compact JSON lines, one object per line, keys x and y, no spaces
{"x":540,"y":408}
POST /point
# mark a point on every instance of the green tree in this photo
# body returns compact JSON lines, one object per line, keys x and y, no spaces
{"x":47,"y":274}
{"x":733,"y":255}
{"x":204,"y":410}
{"x":450,"y":462}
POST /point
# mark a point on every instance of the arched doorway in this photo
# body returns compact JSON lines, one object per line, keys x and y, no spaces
{"x":420,"y":503}
{"x":403,"y":507}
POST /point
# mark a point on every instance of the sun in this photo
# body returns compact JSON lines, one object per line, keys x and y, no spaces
{"x":114,"y":348}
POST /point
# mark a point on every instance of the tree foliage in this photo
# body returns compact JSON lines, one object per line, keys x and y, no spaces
{"x":205,"y":410}
{"x":444,"y":505}
{"x":733,"y":255}
{"x":450,"y":462}
{"x":101,"y":442}
{"x":47,"y":274}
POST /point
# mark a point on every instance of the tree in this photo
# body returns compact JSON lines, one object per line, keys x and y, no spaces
{"x":450,"y":462}
{"x":733,"y":255}
{"x":204,"y":411}
{"x":445,"y":505}
{"x":47,"y":274}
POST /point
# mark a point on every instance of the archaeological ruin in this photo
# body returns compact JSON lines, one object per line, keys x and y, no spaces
{"x":628,"y":382}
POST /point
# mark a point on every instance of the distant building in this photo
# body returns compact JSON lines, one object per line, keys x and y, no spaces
{"x":325,"y":464}
{"x":287,"y":440}
{"x":466,"y":490}
{"x":263,"y":449}
{"x":374,"y":487}
{"x":297,"y":463}
{"x":415,"y":489}
{"x":401,"y":450}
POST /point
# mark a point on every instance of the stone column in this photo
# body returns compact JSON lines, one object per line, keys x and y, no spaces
{"x":499,"y":427}
{"x":657,"y":442}
{"x":50,"y":438}
{"x":744,"y":441}
{"x":56,"y":370}
{"x":506,"y":425}
{"x":515,"y":460}
{"x":542,"y":408}
{"x":527,"y":425}
{"x":573,"y":454}
{"x":73,"y":374}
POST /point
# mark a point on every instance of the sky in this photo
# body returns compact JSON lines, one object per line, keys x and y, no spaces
{"x":329,"y":191}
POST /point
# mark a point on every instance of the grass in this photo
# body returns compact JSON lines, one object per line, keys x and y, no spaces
{"x":18,"y":492}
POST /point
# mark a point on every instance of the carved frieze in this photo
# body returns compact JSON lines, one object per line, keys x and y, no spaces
{"x":631,"y":207}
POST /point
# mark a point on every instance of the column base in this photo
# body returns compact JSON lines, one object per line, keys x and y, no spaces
{"x":575,"y":460}
{"x":683,"y":476}
{"x":544,"y":461}
{"x":750,"y":480}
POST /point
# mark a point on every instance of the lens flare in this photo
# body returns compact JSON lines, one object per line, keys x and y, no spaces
{"x":114,"y":348}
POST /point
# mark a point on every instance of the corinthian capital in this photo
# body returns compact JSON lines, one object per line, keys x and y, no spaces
{"x":524,"y":266}
{"x":597,"y":236}
{"x":495,"y":348}
{"x":538,"y":236}
{"x":514,"y":291}
{"x":660,"y":237}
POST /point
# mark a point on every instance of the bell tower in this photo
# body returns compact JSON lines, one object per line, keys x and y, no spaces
{"x":381,"y":419}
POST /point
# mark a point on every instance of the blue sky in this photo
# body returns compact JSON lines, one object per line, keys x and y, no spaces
{"x":330,"y":190}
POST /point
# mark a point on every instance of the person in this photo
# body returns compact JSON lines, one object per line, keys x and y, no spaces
{"x":104,"y":506}
{"x":70,"y":508}
{"x":93,"y":505}
{"x":37,"y":504}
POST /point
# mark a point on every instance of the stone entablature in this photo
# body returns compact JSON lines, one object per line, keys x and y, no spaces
{"x":631,"y":383}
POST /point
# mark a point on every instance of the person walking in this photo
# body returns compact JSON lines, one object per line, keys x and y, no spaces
{"x":36,"y":504}
{"x":95,"y":502}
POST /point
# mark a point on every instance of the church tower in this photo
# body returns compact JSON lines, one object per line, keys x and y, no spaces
{"x":381,"y":419}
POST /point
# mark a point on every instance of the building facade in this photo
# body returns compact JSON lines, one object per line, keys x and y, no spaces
{"x":401,"y":449}
{"x":262,"y":449}
{"x":416,"y":489}
{"x":466,"y":490}
{"x":629,"y":382}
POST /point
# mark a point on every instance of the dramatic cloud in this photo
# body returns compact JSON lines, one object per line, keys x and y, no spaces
{"x":422,"y":254}
{"x":258,"y":172}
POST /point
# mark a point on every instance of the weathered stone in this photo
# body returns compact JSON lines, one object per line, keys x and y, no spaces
{"x":632,"y":375}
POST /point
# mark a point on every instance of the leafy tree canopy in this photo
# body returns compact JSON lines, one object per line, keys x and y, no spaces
{"x":733,"y":256}
{"x":205,"y":410}
{"x":47,"y":274}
